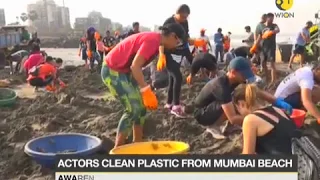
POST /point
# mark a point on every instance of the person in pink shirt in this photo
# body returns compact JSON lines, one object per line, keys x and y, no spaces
{"x":35,"y":58}
{"x":122,"y":74}
{"x":100,"y":49}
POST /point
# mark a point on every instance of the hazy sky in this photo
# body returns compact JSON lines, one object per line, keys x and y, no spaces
{"x":230,"y":15}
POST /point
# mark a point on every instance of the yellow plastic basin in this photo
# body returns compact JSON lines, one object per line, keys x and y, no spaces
{"x":153,"y":147}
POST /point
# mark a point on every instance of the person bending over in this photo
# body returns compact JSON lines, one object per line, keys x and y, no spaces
{"x":205,"y":62}
{"x":214,"y":102}
{"x":122,"y":74}
{"x":299,"y":90}
{"x":35,"y":58}
{"x":268,"y":130}
{"x":45,"y":75}
{"x":19,"y":57}
{"x":171,"y":59}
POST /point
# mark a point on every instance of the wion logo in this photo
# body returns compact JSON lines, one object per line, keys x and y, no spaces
{"x":284,"y":5}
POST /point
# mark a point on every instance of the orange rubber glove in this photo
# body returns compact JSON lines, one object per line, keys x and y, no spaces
{"x":50,"y":88}
{"x":267,"y":34}
{"x":162,"y":62}
{"x":150,"y":100}
{"x":189,"y":79}
{"x":89,"y":53}
{"x":199,"y":42}
{"x":253,"y":49}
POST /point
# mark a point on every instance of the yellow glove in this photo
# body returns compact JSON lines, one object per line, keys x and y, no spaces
{"x":150,"y":100}
{"x":267,"y":34}
{"x":162,"y":62}
{"x":189,"y":79}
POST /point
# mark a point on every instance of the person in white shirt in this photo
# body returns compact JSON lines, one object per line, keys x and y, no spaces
{"x":250,"y":37}
{"x":302,"y":39}
{"x":207,"y":47}
{"x":298,"y":89}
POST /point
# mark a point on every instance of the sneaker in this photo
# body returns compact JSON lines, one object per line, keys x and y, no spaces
{"x":168,"y":106}
{"x":178,"y":111}
{"x":216,"y":134}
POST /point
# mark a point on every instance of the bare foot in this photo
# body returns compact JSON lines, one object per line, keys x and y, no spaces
{"x":215,"y":133}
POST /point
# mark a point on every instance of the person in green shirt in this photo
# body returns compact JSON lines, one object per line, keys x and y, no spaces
{"x":25,"y":36}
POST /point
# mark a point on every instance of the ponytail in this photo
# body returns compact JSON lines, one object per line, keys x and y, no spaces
{"x":251,"y":95}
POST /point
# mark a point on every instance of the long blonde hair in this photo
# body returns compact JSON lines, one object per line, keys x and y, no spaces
{"x":247,"y":93}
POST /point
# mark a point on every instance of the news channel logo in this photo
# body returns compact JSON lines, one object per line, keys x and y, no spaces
{"x":284,"y":6}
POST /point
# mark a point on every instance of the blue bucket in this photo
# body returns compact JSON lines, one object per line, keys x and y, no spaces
{"x":45,"y":149}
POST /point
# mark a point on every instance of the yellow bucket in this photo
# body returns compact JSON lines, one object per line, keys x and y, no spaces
{"x":153,"y":147}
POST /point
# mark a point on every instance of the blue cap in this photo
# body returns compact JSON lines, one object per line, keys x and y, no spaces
{"x":242,"y":65}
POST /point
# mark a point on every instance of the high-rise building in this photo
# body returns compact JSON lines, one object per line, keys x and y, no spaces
{"x":2,"y":17}
{"x":51,"y":18}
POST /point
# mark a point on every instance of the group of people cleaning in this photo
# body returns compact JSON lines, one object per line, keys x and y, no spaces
{"x":40,"y":69}
{"x":231,"y":96}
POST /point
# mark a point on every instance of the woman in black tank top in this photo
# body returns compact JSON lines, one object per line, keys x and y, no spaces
{"x":268,"y":130}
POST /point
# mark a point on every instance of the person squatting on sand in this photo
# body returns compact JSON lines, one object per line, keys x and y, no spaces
{"x":214,"y":102}
{"x":122,"y":74}
{"x":171,"y":59}
{"x":45,"y":75}
{"x":300,"y":91}
{"x":269,"y":130}
{"x":205,"y":62}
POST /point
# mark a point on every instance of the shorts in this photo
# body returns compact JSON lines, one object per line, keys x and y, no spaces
{"x":295,"y":100}
{"x":268,"y":55}
{"x":84,"y":54}
{"x":298,"y":49}
{"x":209,"y":115}
{"x":40,"y":82}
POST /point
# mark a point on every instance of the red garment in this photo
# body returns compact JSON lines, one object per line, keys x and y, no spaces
{"x":34,"y":60}
{"x":145,"y":44}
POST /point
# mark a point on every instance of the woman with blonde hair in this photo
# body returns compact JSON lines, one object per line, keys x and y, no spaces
{"x":269,"y":130}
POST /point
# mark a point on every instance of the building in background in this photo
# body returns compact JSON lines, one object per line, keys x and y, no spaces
{"x":51,"y":18}
{"x":2,"y":17}
{"x":94,"y":19}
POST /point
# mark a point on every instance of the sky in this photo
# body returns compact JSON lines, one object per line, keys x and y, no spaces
{"x":230,"y":15}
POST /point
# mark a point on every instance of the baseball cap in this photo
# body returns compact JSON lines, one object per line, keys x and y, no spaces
{"x":175,"y":28}
{"x":242,"y":65}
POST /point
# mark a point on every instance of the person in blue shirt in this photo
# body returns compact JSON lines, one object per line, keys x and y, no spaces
{"x":218,"y":44}
{"x":302,"y":39}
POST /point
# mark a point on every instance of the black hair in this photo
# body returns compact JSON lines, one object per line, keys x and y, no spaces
{"x":35,"y":47}
{"x":107,"y":31}
{"x":247,"y":27}
{"x":270,"y":15}
{"x":135,"y":24}
{"x":49,"y":59}
{"x":176,"y":28}
{"x":59,"y":61}
{"x":264,"y":15}
{"x":183,"y":9}
{"x":219,"y":30}
{"x":309,"y":23}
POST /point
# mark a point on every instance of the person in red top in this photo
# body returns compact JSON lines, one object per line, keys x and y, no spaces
{"x":45,"y":74}
{"x":122,"y":74}
{"x":35,"y":58}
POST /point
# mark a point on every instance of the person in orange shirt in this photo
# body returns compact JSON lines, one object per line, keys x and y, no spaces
{"x":45,"y":75}
{"x":227,"y":42}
